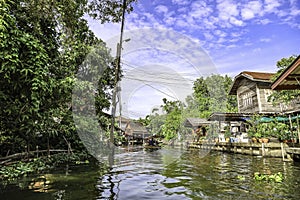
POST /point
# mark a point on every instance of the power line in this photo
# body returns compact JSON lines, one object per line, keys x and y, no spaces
{"x":178,"y":84}
{"x":140,"y":68}
{"x":154,"y":73}
{"x":157,"y":89}
{"x":167,"y":75}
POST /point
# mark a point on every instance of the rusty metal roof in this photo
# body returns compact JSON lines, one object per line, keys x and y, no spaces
{"x":289,"y":79}
{"x":194,"y":122}
{"x":253,"y":76}
{"x":258,"y":75}
{"x":136,"y":127}
{"x":230,"y":116}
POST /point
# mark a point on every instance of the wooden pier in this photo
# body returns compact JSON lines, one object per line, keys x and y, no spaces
{"x":279,"y":150}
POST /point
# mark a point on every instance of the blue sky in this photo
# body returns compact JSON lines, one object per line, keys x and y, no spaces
{"x":237,"y":35}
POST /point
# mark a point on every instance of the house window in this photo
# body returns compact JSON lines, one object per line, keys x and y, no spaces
{"x":247,"y":99}
{"x":267,"y":92}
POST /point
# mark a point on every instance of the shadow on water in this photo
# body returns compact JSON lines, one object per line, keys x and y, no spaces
{"x":163,"y":174}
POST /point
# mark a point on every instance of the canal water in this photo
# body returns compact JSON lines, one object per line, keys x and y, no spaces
{"x":163,"y":174}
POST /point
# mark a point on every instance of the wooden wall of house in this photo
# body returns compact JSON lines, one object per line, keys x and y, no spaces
{"x":252,"y":97}
{"x":128,"y":129}
{"x":265,"y":90}
{"x":247,"y":97}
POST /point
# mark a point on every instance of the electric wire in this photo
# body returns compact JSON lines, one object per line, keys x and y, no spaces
{"x":163,"y":75}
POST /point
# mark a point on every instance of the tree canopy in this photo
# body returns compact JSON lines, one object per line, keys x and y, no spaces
{"x":43,"y":45}
{"x":211,"y":95}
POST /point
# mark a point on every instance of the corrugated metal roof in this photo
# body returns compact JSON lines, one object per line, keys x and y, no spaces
{"x":230,"y":116}
{"x":194,"y":122}
{"x":259,"y":75}
{"x":136,"y":127}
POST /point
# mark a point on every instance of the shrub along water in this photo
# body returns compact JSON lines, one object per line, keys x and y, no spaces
{"x":38,"y":165}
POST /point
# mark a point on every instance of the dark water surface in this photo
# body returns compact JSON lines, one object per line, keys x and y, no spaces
{"x":164,"y":174}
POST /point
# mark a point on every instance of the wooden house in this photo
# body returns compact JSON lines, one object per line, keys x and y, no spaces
{"x":136,"y":130}
{"x":234,"y":123}
{"x":252,"y":90}
{"x":196,"y":122}
{"x":122,"y":122}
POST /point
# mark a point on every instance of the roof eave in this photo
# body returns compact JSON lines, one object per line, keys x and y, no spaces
{"x":276,"y":84}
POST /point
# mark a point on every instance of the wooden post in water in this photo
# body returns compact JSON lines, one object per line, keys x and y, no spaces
{"x":298,"y":128}
{"x":282,"y":151}
{"x":263,"y":149}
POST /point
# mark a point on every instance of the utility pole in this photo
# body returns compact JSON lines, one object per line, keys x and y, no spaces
{"x":117,"y":71}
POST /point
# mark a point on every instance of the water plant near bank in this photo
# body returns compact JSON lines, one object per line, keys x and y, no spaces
{"x":37,"y":165}
{"x":277,"y":177}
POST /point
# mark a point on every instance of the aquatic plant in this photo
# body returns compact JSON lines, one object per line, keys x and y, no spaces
{"x":241,"y":178}
{"x":277,"y":177}
{"x":36,"y":165}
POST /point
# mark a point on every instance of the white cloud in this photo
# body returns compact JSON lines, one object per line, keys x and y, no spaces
{"x":236,"y":21}
{"x":265,"y":40}
{"x":161,"y":9}
{"x":170,"y":21}
{"x":231,"y":46}
{"x":228,"y":14}
{"x":227,"y":9}
{"x":294,"y":11}
{"x":251,"y":9}
{"x":200,"y":9}
{"x":208,"y":36}
{"x":181,"y":23}
{"x":271,"y":5}
{"x":264,"y":21}
{"x":181,"y":2}
{"x":210,"y":22}
{"x":247,"y":13}
{"x":220,"y":33}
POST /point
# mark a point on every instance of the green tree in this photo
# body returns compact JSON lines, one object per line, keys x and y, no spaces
{"x":283,"y":96}
{"x":172,"y":124}
{"x":145,"y":121}
{"x":156,"y":122}
{"x":43,"y":45}
{"x":231,"y":100}
{"x":109,"y":10}
{"x":282,"y":64}
{"x":211,"y":95}
{"x":202,"y":97}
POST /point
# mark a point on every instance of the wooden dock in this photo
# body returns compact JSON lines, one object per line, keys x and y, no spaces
{"x":278,"y":150}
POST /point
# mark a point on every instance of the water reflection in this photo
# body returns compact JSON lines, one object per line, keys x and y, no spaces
{"x":168,"y":174}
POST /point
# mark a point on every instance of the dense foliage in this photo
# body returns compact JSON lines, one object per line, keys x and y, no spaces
{"x":43,"y":44}
{"x":173,"y":120}
{"x":211,"y":95}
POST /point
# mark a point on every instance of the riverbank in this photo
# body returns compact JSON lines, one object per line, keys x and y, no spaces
{"x":272,"y":149}
{"x":23,"y":168}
